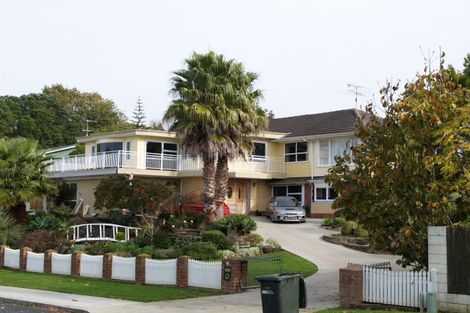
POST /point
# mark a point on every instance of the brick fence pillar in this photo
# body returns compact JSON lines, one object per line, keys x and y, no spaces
{"x":75,"y":270}
{"x":2,"y":256}
{"x":182,"y":271}
{"x":140,"y":268}
{"x":24,"y":257}
{"x":48,"y":261}
{"x":107,"y":266}
{"x":234,"y":273}
{"x":350,"y":287}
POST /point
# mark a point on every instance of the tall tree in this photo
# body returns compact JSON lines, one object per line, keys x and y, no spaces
{"x":91,"y":106}
{"x":23,"y":175}
{"x":463,"y":77}
{"x":214,"y":110}
{"x":138,"y":120}
{"x":412,"y":167}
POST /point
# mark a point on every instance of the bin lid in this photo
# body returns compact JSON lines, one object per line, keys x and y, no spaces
{"x":278,"y":277}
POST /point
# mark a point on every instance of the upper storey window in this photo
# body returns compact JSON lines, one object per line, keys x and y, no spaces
{"x":259,"y":152}
{"x":109,"y":146}
{"x":296,"y":152}
{"x":329,"y":149}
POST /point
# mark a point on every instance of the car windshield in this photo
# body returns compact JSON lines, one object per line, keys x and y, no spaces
{"x":285,"y":202}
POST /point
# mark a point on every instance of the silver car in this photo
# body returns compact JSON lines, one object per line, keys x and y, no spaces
{"x":285,"y":209}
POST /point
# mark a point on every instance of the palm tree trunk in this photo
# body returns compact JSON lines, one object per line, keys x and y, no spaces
{"x":18,"y":211}
{"x":208,"y":177}
{"x":221,"y":180}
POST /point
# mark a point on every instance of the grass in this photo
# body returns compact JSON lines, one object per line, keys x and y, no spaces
{"x":290,"y":263}
{"x":99,"y":288}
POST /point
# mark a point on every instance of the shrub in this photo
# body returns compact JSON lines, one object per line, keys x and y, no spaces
{"x":162,"y":239}
{"x":349,"y":228}
{"x":361,"y":232}
{"x":253,"y":239}
{"x":328,"y":222}
{"x":10,"y":233}
{"x":201,"y":251}
{"x":183,"y":240}
{"x":218,"y":238}
{"x":227,"y":254}
{"x":44,"y":221}
{"x":171,"y":253}
{"x":247,"y":252}
{"x":195,"y":219}
{"x":270,"y":245}
{"x":40,"y":241}
{"x":120,"y":235}
{"x":237,"y":223}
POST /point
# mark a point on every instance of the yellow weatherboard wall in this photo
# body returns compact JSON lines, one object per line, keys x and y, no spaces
{"x":298,"y":169}
{"x":322,"y":208}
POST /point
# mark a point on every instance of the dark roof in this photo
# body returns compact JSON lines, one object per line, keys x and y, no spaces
{"x":317,"y":124}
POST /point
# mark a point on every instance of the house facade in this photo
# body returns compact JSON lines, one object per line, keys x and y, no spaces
{"x":291,"y":158}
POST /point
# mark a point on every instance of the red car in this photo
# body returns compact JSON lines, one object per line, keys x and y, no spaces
{"x":200,"y":208}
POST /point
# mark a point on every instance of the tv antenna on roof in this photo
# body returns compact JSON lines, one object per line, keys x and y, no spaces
{"x":87,"y":130}
{"x":355,"y":89}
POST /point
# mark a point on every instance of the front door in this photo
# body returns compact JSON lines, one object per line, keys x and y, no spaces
{"x":236,"y":196}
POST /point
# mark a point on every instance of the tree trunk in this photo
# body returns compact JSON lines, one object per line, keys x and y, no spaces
{"x":221,"y":180}
{"x":208,"y":177}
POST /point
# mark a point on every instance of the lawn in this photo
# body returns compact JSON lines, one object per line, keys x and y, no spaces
{"x":99,"y":288}
{"x":290,"y":263}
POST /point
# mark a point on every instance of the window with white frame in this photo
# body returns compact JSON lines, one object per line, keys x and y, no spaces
{"x":259,"y":152}
{"x":296,"y":152}
{"x":295,"y":191}
{"x":330,"y":148}
{"x":323,"y":192}
{"x":128,"y":150}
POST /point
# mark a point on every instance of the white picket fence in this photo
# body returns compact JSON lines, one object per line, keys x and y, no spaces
{"x":400,"y":288}
{"x":91,"y":266}
{"x":35,"y":262}
{"x":160,"y":272}
{"x":123,"y":268}
{"x":61,"y":264}
{"x":205,"y":274}
{"x":12,"y":258}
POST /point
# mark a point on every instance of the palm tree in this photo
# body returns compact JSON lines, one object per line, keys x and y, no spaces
{"x":214,"y":112}
{"x":23,"y":175}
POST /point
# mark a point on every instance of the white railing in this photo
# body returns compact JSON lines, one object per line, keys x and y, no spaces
{"x":103,"y":232}
{"x":400,"y":288}
{"x":35,"y":262}
{"x":61,"y":264}
{"x":91,"y":266}
{"x":205,"y":274}
{"x":123,"y":268}
{"x":158,"y":161}
{"x":160,"y":272}
{"x":12,"y":258}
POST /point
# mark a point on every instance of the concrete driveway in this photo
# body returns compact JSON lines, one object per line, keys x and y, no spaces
{"x":301,"y":239}
{"x":305,"y":241}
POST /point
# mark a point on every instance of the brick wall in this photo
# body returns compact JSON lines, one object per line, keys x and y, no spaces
{"x":182,"y":271}
{"x":238,"y":270}
{"x":140,"y":268}
{"x":24,"y":257}
{"x":76,"y":256}
{"x":437,"y":258}
{"x":48,"y":261}
{"x":350,"y":287}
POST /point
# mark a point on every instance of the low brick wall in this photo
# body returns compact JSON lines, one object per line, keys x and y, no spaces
{"x":231,"y":283}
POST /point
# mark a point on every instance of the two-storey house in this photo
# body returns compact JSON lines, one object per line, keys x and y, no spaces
{"x":291,"y":158}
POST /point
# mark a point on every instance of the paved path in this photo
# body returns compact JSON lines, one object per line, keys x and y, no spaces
{"x":301,"y":239}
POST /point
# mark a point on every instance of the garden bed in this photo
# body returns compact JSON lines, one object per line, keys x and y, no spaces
{"x":356,"y":243}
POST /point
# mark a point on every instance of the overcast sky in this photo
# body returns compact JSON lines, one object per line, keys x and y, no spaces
{"x":306,"y":52}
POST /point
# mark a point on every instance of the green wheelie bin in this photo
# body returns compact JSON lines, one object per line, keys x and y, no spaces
{"x":280,"y":293}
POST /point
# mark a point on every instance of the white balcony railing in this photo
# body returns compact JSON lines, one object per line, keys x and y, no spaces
{"x":158,"y":161}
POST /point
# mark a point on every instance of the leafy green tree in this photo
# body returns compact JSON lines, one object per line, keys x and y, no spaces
{"x":214,"y":110}
{"x":463,"y":77}
{"x":411,"y":169}
{"x":138,"y":120}
{"x":23,"y":175}
{"x":138,"y":195}
{"x":89,"y":105}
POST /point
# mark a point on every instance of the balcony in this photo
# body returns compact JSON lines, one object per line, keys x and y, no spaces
{"x":171,"y":165}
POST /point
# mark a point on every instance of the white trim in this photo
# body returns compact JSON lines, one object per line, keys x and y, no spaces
{"x":321,"y":184}
{"x":296,"y":153}
{"x":260,"y":157}
{"x":331,"y":159}
{"x":313,"y":137}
